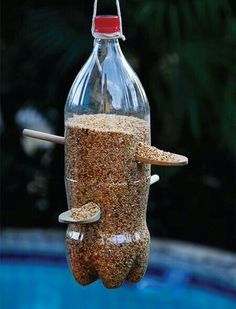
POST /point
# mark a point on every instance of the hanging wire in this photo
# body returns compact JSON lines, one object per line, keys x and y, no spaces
{"x":116,"y":35}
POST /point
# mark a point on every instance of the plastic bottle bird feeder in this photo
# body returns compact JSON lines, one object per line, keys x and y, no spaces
{"x":107,"y":164}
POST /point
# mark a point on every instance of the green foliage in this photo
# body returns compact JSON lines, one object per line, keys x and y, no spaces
{"x":200,"y":35}
{"x":185,"y":51}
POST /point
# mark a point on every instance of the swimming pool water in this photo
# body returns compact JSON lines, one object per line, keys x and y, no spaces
{"x":36,"y":285}
{"x":34,"y":275}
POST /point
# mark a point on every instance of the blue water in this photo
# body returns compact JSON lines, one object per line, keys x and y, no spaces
{"x":42,"y":286}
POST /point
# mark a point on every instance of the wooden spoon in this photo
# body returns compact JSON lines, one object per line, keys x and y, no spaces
{"x":82,"y":215}
{"x":152,"y":155}
{"x":144,"y":154}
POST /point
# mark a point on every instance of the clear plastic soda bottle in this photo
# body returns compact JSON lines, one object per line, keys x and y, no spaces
{"x":106,"y":115}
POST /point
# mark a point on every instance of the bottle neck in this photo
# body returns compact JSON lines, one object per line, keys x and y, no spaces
{"x":104,"y":47}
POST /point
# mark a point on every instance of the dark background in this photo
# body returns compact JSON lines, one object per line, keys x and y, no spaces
{"x":184,"y":54}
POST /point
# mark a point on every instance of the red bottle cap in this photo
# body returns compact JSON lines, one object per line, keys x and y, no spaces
{"x":107,"y":24}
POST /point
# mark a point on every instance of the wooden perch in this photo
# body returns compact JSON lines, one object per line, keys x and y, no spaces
{"x":90,"y":212}
{"x":144,"y":154}
{"x":154,"y":178}
{"x":152,"y":155}
{"x":44,"y":136}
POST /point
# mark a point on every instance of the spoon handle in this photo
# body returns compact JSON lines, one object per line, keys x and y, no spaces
{"x":44,"y":136}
